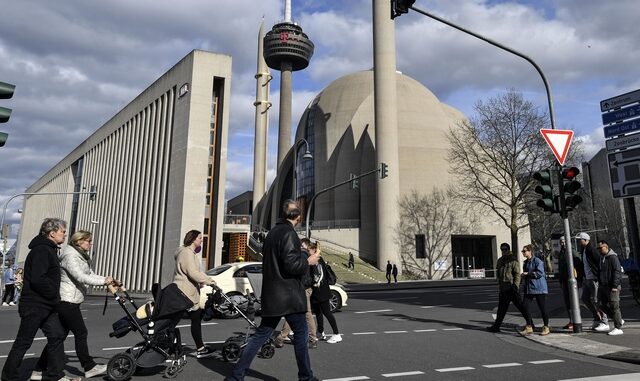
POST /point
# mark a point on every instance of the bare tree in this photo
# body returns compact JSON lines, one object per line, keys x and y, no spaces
{"x":494,"y":155}
{"x":437,"y":216}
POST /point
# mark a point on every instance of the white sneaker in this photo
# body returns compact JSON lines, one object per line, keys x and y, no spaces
{"x":96,"y":371}
{"x":615,"y":332}
{"x":321,"y":336}
{"x":335,"y":339}
{"x":12,"y":304}
{"x":602,"y":327}
{"x":4,"y":304}
{"x":36,"y":375}
{"x":622,"y":323}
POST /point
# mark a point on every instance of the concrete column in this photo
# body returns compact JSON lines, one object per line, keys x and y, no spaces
{"x":261,"y":123}
{"x":284,"y":128}
{"x":386,"y":131}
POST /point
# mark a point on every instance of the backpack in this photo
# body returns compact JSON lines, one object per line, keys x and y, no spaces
{"x":548,"y":266}
{"x":330,"y":275}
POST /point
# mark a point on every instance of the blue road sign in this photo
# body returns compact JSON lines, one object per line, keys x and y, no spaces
{"x":622,"y":114}
{"x":622,"y":128}
{"x":620,"y":100}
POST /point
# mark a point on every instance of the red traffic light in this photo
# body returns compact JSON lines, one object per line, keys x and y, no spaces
{"x":570,"y":173}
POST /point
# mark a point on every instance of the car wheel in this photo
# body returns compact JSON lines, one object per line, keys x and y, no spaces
{"x":335,"y":303}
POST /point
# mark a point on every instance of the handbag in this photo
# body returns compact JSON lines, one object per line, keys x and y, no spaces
{"x":331,"y":276}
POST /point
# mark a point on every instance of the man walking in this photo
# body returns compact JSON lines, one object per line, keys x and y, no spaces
{"x":389,"y":268}
{"x":591,"y":263}
{"x":352,"y":265}
{"x":9,"y":286}
{"x":508,"y":275}
{"x":283,"y":295}
{"x":609,"y":290}
{"x":39,"y":303}
{"x":564,"y":274}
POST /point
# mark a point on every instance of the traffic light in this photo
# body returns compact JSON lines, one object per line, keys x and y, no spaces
{"x":545,"y":189}
{"x":6,"y":92}
{"x":384,"y":170}
{"x":570,"y":187}
{"x":355,"y":184}
{"x":400,"y":7}
{"x":93,"y":191}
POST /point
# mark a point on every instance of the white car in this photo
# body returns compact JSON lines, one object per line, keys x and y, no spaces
{"x":232,"y":279}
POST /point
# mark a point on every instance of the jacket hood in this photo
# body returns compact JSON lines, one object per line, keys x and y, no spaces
{"x":42,"y":240}
{"x":611,"y":252}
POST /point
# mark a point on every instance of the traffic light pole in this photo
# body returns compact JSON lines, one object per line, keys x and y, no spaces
{"x":568,"y":256}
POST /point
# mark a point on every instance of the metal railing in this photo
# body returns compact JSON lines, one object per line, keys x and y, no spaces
{"x":237,"y":219}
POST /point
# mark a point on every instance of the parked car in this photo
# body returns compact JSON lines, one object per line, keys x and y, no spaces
{"x":232,"y":279}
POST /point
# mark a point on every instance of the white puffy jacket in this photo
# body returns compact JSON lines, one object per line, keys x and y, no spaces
{"x":75,"y":274}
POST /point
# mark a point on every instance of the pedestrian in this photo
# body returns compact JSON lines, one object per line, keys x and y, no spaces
{"x":39,"y":303}
{"x":18,"y":284}
{"x":189,"y":278}
{"x":610,"y":286}
{"x":284,"y":266}
{"x":352,"y":265}
{"x":75,"y":274}
{"x":394,"y":271}
{"x":307,"y":282}
{"x":321,"y":296}
{"x":389,"y":269}
{"x":535,"y":287}
{"x":508,"y":275}
{"x":9,"y":279}
{"x":591,"y":264}
{"x":565,"y":274}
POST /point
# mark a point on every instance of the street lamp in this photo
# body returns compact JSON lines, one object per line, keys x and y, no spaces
{"x":307,"y":156}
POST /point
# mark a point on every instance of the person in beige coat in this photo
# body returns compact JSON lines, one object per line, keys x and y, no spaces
{"x":189,"y":278}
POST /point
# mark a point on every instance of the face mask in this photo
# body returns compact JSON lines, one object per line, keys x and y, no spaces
{"x":198,"y":249}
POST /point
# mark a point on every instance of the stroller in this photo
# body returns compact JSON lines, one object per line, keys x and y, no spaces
{"x":162,"y":343}
{"x":233,"y":346}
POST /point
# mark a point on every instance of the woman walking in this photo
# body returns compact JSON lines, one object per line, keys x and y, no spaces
{"x":189,"y":278}
{"x":320,"y":297}
{"x":75,"y":274}
{"x":535,"y":287}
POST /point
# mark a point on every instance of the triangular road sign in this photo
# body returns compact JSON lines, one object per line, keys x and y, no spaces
{"x":559,"y":141}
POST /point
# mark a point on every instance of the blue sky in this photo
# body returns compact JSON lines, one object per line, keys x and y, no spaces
{"x":77,"y":62}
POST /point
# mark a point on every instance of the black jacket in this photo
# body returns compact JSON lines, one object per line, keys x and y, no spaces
{"x":321,"y":292}
{"x":563,"y":267}
{"x":610,"y":274}
{"x":41,"y":282}
{"x":593,"y":259}
{"x":283,"y":267}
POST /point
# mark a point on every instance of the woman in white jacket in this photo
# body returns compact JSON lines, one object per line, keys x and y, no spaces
{"x":75,"y":275}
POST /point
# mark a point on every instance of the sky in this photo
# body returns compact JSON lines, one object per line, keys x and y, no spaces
{"x":76,"y":63}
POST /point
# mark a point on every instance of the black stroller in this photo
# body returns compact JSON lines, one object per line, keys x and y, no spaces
{"x":233,"y":346}
{"x":156,"y":323}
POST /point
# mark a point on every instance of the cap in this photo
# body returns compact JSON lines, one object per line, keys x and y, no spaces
{"x":562,"y":239}
{"x":583,"y":236}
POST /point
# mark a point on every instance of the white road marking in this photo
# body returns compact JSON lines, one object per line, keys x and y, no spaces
{"x":424,"y":330}
{"x":615,"y":377}
{"x":395,"y":331}
{"x":491,"y":301}
{"x":35,"y":339}
{"x":372,"y":311}
{"x":405,"y":298}
{"x":505,"y":365}
{"x":453,"y":329}
{"x":27,"y":354}
{"x":347,"y":378}
{"x":415,"y":373}
{"x":189,"y":325}
{"x":364,"y":333}
{"x":441,"y":305}
{"x":539,"y":362}
{"x":115,"y":348}
{"x":454,"y":369}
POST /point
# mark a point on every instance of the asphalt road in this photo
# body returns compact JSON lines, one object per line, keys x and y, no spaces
{"x":421,"y":334}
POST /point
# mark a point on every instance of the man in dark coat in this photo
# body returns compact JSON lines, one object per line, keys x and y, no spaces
{"x":283,"y":294}
{"x":39,"y":303}
{"x":388,"y":274}
{"x":508,"y":272}
{"x":591,"y":263}
{"x":610,"y":286}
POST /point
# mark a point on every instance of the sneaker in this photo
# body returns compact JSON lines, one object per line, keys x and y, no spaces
{"x":493,"y":329}
{"x":622,"y":323}
{"x":595,"y":324}
{"x":545,"y":331}
{"x":96,"y":371}
{"x":4,"y":304}
{"x":568,"y":326}
{"x":12,"y":304}
{"x":615,"y":332}
{"x":36,"y":375}
{"x":528,"y":330}
{"x":313,"y":344}
{"x":335,"y":339}
{"x":602,"y":327}
{"x":289,"y":338}
{"x":204,"y":352}
{"x":321,"y":336}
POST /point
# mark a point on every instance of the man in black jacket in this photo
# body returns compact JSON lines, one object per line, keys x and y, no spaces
{"x":591,"y":262}
{"x":283,"y":294}
{"x":609,"y":290}
{"x":39,"y":303}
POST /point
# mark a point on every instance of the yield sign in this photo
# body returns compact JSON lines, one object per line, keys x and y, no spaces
{"x":559,"y":141}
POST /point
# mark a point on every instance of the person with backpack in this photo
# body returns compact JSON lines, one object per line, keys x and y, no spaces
{"x":321,"y":295}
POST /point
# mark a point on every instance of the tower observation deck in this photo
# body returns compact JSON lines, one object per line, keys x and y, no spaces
{"x":287,"y":43}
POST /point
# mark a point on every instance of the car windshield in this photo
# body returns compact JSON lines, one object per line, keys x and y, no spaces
{"x":218,"y":270}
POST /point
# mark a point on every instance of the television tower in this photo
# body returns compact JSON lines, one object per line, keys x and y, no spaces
{"x":287,"y":49}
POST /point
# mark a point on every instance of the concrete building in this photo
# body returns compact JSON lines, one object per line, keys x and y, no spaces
{"x":339,"y":126}
{"x":159,"y":169}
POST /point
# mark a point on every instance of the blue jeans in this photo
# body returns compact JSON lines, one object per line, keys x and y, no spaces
{"x":298,"y":324}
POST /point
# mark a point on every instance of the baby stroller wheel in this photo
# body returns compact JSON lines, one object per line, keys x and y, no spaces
{"x":175,"y":367}
{"x":267,"y":351}
{"x":231,"y":351}
{"x":121,"y":367}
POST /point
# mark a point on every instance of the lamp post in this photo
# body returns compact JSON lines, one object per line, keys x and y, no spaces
{"x":307,"y":156}
{"x":96,"y":226}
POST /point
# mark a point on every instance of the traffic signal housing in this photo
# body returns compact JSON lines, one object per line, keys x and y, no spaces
{"x":355,"y":184}
{"x":400,"y":7}
{"x":545,"y":190}
{"x":569,"y":187}
{"x":6,"y":92}
{"x":383,"y":170}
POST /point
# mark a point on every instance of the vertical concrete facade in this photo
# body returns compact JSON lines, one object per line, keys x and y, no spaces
{"x":159,"y":167}
{"x":262,"y":104}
